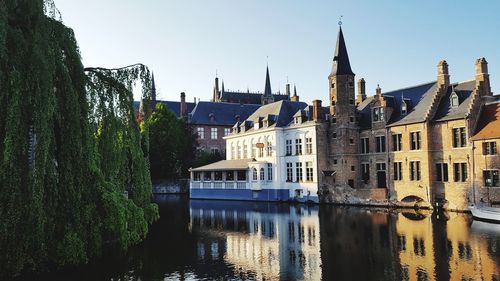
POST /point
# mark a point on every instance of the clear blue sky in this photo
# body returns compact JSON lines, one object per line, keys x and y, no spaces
{"x":392,"y":43}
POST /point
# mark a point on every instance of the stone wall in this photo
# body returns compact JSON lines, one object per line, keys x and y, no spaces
{"x":344,"y":194}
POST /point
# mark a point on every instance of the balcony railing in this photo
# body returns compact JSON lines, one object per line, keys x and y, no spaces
{"x":220,"y":185}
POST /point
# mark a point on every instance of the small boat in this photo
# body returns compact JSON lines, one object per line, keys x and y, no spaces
{"x":489,"y":214}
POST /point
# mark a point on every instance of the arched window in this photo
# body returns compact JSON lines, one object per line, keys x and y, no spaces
{"x":254,"y":172}
{"x":269,"y":171}
{"x":261,"y":174}
{"x":454,"y":100}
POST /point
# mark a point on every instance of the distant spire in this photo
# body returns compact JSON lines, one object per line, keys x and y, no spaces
{"x":153,"y":92}
{"x":267,"y":88}
{"x":294,"y":90}
{"x":223,"y":85}
{"x":341,"y":65}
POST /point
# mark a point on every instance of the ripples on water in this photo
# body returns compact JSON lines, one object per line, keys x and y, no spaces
{"x":227,"y":240}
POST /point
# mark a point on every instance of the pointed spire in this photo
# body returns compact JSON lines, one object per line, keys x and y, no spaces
{"x":341,"y":65}
{"x":223,"y":85}
{"x":267,"y":89}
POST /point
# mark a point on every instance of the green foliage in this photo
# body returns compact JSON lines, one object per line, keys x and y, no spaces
{"x":171,"y":144}
{"x":73,"y":171}
{"x":205,"y":157}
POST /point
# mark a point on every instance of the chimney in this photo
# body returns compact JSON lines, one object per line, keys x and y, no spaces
{"x":482,"y":77}
{"x":317,"y":111}
{"x":378,"y":91}
{"x":361,"y":91}
{"x":443,"y":78}
{"x":294,"y":97}
{"x":183,"y":111}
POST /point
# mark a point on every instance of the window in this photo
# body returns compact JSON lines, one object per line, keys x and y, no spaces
{"x":397,"y":142}
{"x":459,"y":138}
{"x":351,"y":141}
{"x":289,"y":172}
{"x":442,"y":172}
{"x":238,"y":152}
{"x":404,"y":108}
{"x":214,"y":150}
{"x":490,"y":177}
{"x":309,"y":145}
{"x":245,"y":151}
{"x":217,"y":175}
{"x":380,"y":143}
{"x":415,"y":140}
{"x":254,"y":174}
{"x":353,"y":168}
{"x":365,"y":172}
{"x":269,"y":148}
{"x":351,"y":119}
{"x":460,"y":172}
{"x":261,"y":151}
{"x":262,"y":176}
{"x":334,"y":120}
{"x":490,"y":148}
{"x":351,"y":85}
{"x":381,"y":167}
{"x":378,"y":114}
{"x":298,"y":146}
{"x":241,"y":175}
{"x":288,"y":147}
{"x":227,"y":131}
{"x":398,"y":171}
{"x":454,"y":100}
{"x":298,"y":171}
{"x":335,"y":161}
{"x":365,"y":145}
{"x":414,"y":170}
{"x":233,"y":152}
{"x":269,"y":171}
{"x":333,"y":85}
{"x":201,"y":132}
{"x":213,"y":133}
{"x":351,"y":101}
{"x":309,"y":171}
{"x":230,"y":176}
{"x":334,"y":135}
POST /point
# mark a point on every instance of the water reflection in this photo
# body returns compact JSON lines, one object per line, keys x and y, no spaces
{"x":221,"y":240}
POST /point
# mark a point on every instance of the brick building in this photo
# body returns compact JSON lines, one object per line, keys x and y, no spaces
{"x":413,"y":144}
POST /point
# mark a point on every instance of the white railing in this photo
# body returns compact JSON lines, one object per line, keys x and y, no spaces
{"x":207,"y":184}
{"x":221,"y":185}
{"x":195,"y":184}
{"x":241,"y":185}
{"x":217,"y":185}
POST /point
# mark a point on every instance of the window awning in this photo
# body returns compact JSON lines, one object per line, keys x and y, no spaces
{"x":329,"y":173}
{"x":224,"y":165}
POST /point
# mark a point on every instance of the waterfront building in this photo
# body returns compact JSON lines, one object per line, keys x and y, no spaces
{"x":411,"y":146}
{"x":271,"y":156}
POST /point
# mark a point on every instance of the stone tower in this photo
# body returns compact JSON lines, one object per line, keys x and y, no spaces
{"x":344,"y":130}
{"x":267,"y":97}
{"x":216,"y":93}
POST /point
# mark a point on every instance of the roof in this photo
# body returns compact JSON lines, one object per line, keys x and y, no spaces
{"x":240,"y":164}
{"x":464,"y":91}
{"x":489,"y":122}
{"x":223,"y":113}
{"x":418,"y":99}
{"x":283,"y":110}
{"x":248,"y":97}
{"x":174,"y":106}
{"x":341,"y":65}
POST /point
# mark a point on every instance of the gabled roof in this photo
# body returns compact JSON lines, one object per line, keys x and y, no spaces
{"x":464,"y":91}
{"x":174,"y":106}
{"x":283,"y":110}
{"x":240,"y":164}
{"x":224,"y":114}
{"x":418,"y":98}
{"x":341,"y":64}
{"x":489,"y":122}
{"x":248,"y":97}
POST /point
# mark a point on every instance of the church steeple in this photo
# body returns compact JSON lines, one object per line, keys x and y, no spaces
{"x":268,"y":95}
{"x":153,"y":92}
{"x":341,"y":64}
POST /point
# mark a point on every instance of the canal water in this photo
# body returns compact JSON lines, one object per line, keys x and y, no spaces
{"x":229,"y":240}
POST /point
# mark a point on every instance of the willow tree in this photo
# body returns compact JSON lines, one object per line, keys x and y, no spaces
{"x":73,"y":171}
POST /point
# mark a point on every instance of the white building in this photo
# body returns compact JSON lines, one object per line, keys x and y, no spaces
{"x":271,"y":156}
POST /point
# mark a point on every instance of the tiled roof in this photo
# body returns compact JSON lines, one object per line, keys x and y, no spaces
{"x":248,"y":98}
{"x":240,"y":164}
{"x":283,"y":110}
{"x":341,"y":65}
{"x":174,"y":106}
{"x":418,"y":99}
{"x":223,"y":113}
{"x":489,"y":122}
{"x":463,"y":90}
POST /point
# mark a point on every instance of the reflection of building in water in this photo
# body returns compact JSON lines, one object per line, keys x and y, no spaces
{"x":415,"y":246}
{"x":443,"y":249}
{"x":356,"y":244}
{"x":262,"y":241}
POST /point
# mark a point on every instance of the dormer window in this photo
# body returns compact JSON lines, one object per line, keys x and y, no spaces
{"x":454,"y":102}
{"x":378,"y":114}
{"x":297,"y":120}
{"x":404,"y":108}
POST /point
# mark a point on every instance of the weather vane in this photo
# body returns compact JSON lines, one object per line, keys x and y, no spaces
{"x":340,"y":20}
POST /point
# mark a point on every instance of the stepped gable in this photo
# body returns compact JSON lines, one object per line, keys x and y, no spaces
{"x":464,"y":92}
{"x":221,"y":113}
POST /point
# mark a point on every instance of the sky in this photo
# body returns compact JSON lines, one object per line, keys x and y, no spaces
{"x":392,"y":43}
